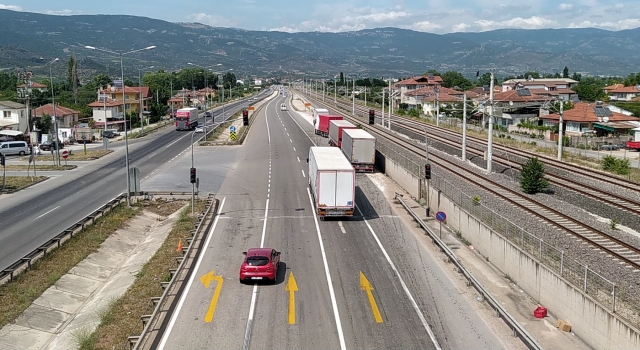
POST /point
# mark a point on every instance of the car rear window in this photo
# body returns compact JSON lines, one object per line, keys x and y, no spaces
{"x":257,"y":260}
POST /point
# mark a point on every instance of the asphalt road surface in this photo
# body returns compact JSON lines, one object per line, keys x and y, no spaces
{"x":33,"y":216}
{"x":363,"y":282}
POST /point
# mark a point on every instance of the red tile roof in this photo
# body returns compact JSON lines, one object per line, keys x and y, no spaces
{"x":127,"y":89}
{"x":625,"y":89}
{"x":443,"y":98}
{"x":512,"y":95}
{"x":583,"y":112}
{"x":35,"y":85}
{"x":111,"y":103}
{"x":613,"y":87}
{"x":48,"y":110}
{"x":420,"y":80}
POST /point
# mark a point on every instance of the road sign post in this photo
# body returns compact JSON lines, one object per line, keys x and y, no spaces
{"x":441,"y":216}
{"x":65,"y":154}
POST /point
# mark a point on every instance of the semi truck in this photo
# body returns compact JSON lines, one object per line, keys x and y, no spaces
{"x":321,"y":124}
{"x":332,"y":181}
{"x":318,"y":111}
{"x":335,"y":131}
{"x":186,"y":118}
{"x":360,"y":149}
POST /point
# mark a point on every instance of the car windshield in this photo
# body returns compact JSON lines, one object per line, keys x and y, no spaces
{"x":257,"y":260}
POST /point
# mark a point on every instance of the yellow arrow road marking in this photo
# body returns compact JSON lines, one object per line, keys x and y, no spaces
{"x":292,"y":288}
{"x":206,"y":281}
{"x":366,"y":286}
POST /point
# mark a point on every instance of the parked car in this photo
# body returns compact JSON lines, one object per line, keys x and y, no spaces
{"x":207,"y":114}
{"x":260,"y":264}
{"x":14,"y":147}
{"x":108,"y":134}
{"x":49,"y":145}
{"x":199,"y":129}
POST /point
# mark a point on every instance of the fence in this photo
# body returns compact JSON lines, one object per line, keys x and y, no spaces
{"x":617,"y":298}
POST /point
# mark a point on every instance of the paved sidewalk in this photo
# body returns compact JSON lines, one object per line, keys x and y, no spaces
{"x":74,"y":303}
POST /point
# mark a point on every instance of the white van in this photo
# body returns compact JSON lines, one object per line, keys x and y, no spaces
{"x":14,"y":147}
{"x":283,"y":107}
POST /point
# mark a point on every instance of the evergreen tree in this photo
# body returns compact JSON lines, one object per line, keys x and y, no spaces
{"x":565,"y":72}
{"x":533,"y":180}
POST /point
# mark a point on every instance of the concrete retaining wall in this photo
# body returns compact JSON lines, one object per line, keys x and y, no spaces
{"x":590,"y":320}
{"x":405,"y":179}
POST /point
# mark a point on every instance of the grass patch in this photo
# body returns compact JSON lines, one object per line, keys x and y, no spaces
{"x":17,"y":296}
{"x":124,"y":319}
{"x":85,"y":339}
{"x":39,"y":166}
{"x":462,"y":239}
{"x":76,"y":155}
{"x":15,"y":183}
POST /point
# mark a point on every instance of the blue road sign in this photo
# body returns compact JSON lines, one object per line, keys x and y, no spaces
{"x":232,"y":128}
{"x":441,"y":216}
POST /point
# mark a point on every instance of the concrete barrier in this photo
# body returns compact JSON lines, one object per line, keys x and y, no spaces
{"x":590,"y":320}
{"x":402,"y":177}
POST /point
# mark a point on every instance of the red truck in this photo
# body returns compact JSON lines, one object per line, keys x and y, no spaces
{"x":635,"y":144}
{"x":335,"y":131}
{"x":322,"y":123}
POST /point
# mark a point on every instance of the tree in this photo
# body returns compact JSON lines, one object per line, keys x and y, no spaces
{"x":452,"y":79}
{"x":44,"y":123}
{"x":565,"y":72}
{"x":533,"y":180}
{"x":576,"y":76}
{"x":432,"y":72}
{"x":485,"y":79}
{"x":72,"y":77}
{"x":590,"y":89}
{"x":341,"y":82}
{"x":102,"y":80}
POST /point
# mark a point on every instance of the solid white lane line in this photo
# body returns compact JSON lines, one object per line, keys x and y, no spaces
{"x":332,"y":294}
{"x":303,"y":175}
{"x":404,"y":285}
{"x":47,"y":213}
{"x":183,"y":297}
{"x":341,"y":227}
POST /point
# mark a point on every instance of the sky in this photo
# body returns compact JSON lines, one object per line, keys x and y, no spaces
{"x":444,"y":16}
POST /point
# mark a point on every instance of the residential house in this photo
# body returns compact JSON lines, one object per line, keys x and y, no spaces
{"x":550,"y":87}
{"x":513,"y":106}
{"x":401,"y":88}
{"x":34,"y":85}
{"x":432,"y":98}
{"x":13,"y":116}
{"x":174,"y":104}
{"x":65,"y":118}
{"x":592,"y":118}
{"x":619,"y":92}
{"x":109,"y":111}
{"x":134,"y":96}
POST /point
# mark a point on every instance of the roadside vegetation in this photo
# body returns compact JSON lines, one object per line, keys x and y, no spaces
{"x":77,"y":155}
{"x":16,"y":183}
{"x":533,"y":180}
{"x":122,"y":318}
{"x":17,"y":296}
{"x":39,"y":167}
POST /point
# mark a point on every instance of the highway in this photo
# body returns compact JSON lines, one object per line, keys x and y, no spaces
{"x":360,"y":283}
{"x":33,"y":216}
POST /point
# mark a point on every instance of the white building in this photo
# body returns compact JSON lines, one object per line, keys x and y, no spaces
{"x":13,"y":116}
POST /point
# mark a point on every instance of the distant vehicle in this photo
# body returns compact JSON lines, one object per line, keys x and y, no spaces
{"x":14,"y":147}
{"x":186,"y":118}
{"x":360,"y":149}
{"x":260,"y":264}
{"x":283,"y":107}
{"x":317,"y":112}
{"x":335,"y":131}
{"x":84,"y":135}
{"x":108,"y":134}
{"x":321,"y":123}
{"x":332,"y":181}
{"x":199,"y":129}
{"x":51,"y":145}
{"x":207,"y":114}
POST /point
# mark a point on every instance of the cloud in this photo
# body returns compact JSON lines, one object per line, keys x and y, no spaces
{"x":425,"y":26}
{"x":629,"y":23}
{"x":565,"y":7}
{"x":62,"y":12}
{"x":284,"y":29}
{"x":460,"y":27}
{"x":10,"y":7}
{"x":533,"y":22}
{"x":212,"y":20}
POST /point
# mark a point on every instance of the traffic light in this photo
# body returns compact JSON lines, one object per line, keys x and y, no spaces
{"x":2,"y":159}
{"x":372,"y":117}
{"x":193,"y":175}
{"x":245,"y":117}
{"x":427,"y":171}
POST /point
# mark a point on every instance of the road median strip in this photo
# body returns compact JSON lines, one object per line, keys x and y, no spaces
{"x":17,"y":183}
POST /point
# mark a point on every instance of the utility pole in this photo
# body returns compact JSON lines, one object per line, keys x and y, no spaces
{"x":437,"y":91}
{"x":490,"y":136}
{"x":322,"y":89}
{"x":464,"y":127}
{"x":353,"y":97}
{"x":335,"y":91}
{"x":560,"y":131}
{"x":426,"y":157}
{"x":390,"y":103}
{"x":382,"y":107}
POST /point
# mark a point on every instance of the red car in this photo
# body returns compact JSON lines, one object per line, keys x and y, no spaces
{"x":260,"y":264}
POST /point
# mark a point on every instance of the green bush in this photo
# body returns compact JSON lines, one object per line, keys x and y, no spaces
{"x":616,"y":165}
{"x":533,"y":180}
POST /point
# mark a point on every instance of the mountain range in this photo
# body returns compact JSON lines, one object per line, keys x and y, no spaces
{"x":31,"y":40}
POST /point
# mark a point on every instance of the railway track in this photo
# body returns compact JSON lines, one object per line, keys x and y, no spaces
{"x":618,"y":249}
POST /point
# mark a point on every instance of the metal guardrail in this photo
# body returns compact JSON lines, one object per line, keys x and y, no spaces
{"x":8,"y":274}
{"x":518,"y":330}
{"x":152,"y":130}
{"x":212,"y":205}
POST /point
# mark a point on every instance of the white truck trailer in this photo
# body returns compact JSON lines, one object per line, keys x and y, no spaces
{"x":360,"y":149}
{"x":332,"y":181}
{"x":316,"y":112}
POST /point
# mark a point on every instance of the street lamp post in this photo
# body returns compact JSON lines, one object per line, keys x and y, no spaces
{"x":53,"y":101}
{"x":560,"y":130}
{"x":490,"y":135}
{"x":193,"y":186}
{"x":140,"y":93}
{"x":124,"y":110}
